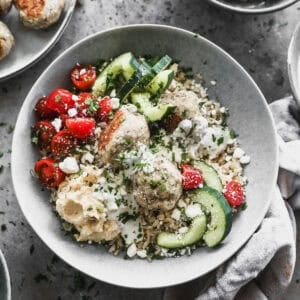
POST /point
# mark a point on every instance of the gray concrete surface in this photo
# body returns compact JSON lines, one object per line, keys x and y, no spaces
{"x":258,"y":42}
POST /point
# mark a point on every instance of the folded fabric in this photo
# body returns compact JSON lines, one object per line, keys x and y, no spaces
{"x":263,"y":267}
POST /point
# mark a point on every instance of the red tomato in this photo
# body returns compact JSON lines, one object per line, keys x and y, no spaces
{"x":63,"y":143}
{"x":48,"y":173}
{"x":81,"y":127}
{"x":42,"y":134}
{"x":105,"y":110}
{"x":83,"y":77}
{"x":192,"y":177}
{"x":61,"y":101}
{"x":42,"y":110}
{"x":87,"y":105}
{"x":234,"y":193}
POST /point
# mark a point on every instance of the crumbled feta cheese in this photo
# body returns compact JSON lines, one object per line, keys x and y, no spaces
{"x":131,"y":251}
{"x":69,"y":165}
{"x":186,"y":125}
{"x":111,"y":204}
{"x":183,"y":230}
{"x":115,"y":103}
{"x":245,"y":159}
{"x":87,"y":157}
{"x":82,"y":71}
{"x":222,"y":110}
{"x":176,"y":214}
{"x":75,"y":98}
{"x":193,"y":210}
{"x":57,"y":124}
{"x":141,"y":253}
{"x":172,"y":86}
{"x":213,"y":82}
{"x":72,"y":112}
{"x":238,"y":153}
{"x":113,"y":93}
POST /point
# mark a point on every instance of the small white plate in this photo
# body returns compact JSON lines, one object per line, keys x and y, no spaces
{"x":294,"y":63}
{"x":31,"y":45}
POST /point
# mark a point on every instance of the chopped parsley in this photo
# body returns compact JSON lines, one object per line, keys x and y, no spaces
{"x":93,"y":105}
{"x":244,"y":206}
{"x":153,"y":184}
{"x":125,"y":217}
{"x":213,"y":137}
{"x":232,"y":134}
{"x":220,"y":140}
{"x":57,"y":98}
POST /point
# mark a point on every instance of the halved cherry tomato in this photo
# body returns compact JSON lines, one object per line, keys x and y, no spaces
{"x":87,"y":105}
{"x":42,"y":134}
{"x":234,"y":193}
{"x":192,"y":177}
{"x":63,"y":143}
{"x":48,"y":172}
{"x":60,"y":100}
{"x":105,"y":109}
{"x":81,"y":127}
{"x":42,"y":110}
{"x":83,"y":77}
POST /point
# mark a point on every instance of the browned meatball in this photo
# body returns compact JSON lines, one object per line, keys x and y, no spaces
{"x":39,"y":14}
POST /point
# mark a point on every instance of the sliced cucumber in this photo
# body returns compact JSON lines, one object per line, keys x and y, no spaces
{"x":162,"y":64}
{"x":143,"y":72}
{"x":193,"y":235}
{"x":125,"y":64}
{"x":160,"y":82}
{"x":151,"y":112}
{"x":216,"y":207}
{"x":210,"y":175}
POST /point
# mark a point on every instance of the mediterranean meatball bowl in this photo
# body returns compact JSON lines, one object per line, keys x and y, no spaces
{"x":144,"y":156}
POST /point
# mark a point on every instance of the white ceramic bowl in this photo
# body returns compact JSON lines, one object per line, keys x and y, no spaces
{"x":249,"y":115}
{"x":254,"y":6}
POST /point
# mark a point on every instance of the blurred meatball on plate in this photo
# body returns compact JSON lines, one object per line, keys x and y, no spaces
{"x":5,"y":6}
{"x":39,"y":14}
{"x":7,"y":40}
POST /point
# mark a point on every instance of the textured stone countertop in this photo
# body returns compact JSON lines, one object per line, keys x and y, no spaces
{"x":259,"y":43}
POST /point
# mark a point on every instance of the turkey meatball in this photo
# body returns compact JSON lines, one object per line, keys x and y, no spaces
{"x":7,"y":40}
{"x":125,"y":131}
{"x":159,"y":189}
{"x":186,"y":103}
{"x":39,"y":14}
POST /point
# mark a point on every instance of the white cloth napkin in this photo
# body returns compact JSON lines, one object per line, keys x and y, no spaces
{"x":263,"y":267}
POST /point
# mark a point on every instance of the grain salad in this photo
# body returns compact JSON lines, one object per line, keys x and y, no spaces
{"x":139,"y":159}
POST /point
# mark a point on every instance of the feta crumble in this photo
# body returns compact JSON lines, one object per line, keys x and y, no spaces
{"x":176,"y":214}
{"x":132,"y":250}
{"x":69,"y":165}
{"x":57,"y":124}
{"x":193,"y":210}
{"x":72,"y":112}
{"x":115,"y":103}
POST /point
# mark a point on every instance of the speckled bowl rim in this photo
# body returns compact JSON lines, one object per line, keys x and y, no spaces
{"x":6,"y":276}
{"x":255,"y":223}
{"x":262,"y":10}
{"x":45,"y":50}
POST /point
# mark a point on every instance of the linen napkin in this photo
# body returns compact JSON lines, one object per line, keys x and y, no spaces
{"x":264,"y":266}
